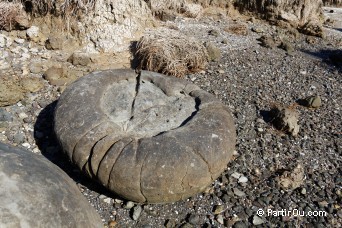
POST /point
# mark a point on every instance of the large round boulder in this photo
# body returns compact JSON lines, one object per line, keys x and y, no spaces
{"x":36,"y":193}
{"x":145,"y":136}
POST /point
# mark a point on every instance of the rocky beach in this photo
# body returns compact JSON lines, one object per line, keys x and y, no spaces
{"x":256,"y":66}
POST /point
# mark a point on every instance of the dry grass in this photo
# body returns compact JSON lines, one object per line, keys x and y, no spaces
{"x":57,"y":7}
{"x":169,"y":52}
{"x":9,"y":12}
{"x":158,"y":7}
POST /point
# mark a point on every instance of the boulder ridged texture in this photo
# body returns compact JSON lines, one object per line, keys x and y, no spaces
{"x":147,"y":137}
{"x":36,"y":193}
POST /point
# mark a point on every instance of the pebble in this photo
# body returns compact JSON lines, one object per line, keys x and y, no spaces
{"x":107,"y":200}
{"x":303,"y":191}
{"x":219,"y":219}
{"x":27,"y":145}
{"x":257,"y":220}
{"x":112,"y":224}
{"x":5,"y":115}
{"x":236,"y":175}
{"x":136,"y":212}
{"x":23,"y":115}
{"x":19,"y":138}
{"x":194,"y":219}
{"x":129,"y":205}
{"x":19,"y":41}
{"x":218,"y":209}
{"x":238,"y":192}
{"x":243,"y":179}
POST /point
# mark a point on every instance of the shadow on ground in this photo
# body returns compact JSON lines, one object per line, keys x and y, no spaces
{"x":330,"y":57}
{"x":50,"y":148}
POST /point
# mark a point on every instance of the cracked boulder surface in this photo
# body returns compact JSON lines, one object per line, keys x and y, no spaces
{"x":146,"y":137}
{"x":36,"y":193}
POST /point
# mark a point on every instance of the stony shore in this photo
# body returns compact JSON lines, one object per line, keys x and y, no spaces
{"x":250,"y":77}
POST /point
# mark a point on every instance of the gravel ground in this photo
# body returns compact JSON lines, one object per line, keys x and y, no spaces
{"x":250,"y":79}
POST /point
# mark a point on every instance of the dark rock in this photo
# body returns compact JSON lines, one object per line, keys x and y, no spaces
{"x":36,"y":193}
{"x":146,"y":137}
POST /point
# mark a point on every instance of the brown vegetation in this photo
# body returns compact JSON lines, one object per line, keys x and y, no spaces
{"x":169,"y":52}
{"x":9,"y":14}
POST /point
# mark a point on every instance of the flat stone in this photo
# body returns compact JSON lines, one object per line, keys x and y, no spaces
{"x":257,"y":220}
{"x":238,"y":192}
{"x":36,"y":193}
{"x":136,"y":212}
{"x":147,"y":137}
{"x":10,"y":92}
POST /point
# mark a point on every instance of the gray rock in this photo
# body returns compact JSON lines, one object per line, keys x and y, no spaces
{"x":19,"y":137}
{"x":238,"y":192}
{"x":136,"y":212}
{"x":5,"y":116}
{"x":194,"y":219}
{"x":257,"y":220}
{"x":36,"y":193}
{"x":146,"y":137}
{"x":214,"y":52}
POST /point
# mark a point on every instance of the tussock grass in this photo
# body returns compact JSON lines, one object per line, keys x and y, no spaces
{"x":9,"y":12}
{"x":56,"y":7}
{"x":169,"y":52}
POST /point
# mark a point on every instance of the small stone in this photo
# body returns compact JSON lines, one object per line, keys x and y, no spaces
{"x":221,"y":71}
{"x":285,"y":119}
{"x":219,"y":219}
{"x":32,"y":84}
{"x":112,"y":224}
{"x":214,"y":52}
{"x":136,"y":212}
{"x":170,"y":223}
{"x":27,"y":145}
{"x":236,"y":175}
{"x":19,"y":138}
{"x":5,"y":116}
{"x":238,"y":192}
{"x":129,"y":205}
{"x":243,"y":179}
{"x":257,"y":30}
{"x":19,"y":41}
{"x":260,"y":129}
{"x":257,"y":220}
{"x":292,"y":180}
{"x":287,"y":47}
{"x":240,"y":224}
{"x":194,"y":219}
{"x":54,"y":76}
{"x":214,"y":32}
{"x":303,"y":191}
{"x":78,"y":58}
{"x":313,"y":101}
{"x":225,"y":41}
{"x":32,"y":32}
{"x":218,"y":209}
{"x":22,"y":115}
{"x":107,"y":200}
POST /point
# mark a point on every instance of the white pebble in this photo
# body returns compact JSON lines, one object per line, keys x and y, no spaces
{"x":27,"y":145}
{"x":236,"y":175}
{"x":243,"y":179}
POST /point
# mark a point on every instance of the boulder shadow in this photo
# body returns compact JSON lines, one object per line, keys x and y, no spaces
{"x":332,"y":58}
{"x":47,"y":143}
{"x":267,"y":115}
